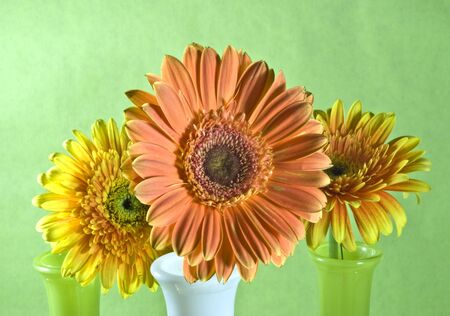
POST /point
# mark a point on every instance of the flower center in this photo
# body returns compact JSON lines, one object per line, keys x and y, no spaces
{"x":222,"y":165}
{"x":339,"y":168}
{"x":224,"y":162}
{"x":123,"y":208}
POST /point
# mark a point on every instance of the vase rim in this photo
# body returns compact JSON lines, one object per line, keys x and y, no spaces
{"x":168,"y":268}
{"x":369,"y":255}
{"x":49,"y":263}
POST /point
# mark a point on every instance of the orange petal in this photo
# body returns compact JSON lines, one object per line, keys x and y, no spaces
{"x":177,"y":115}
{"x":228,"y":75}
{"x":169,"y":207}
{"x":244,"y":62}
{"x":160,"y":237}
{"x":141,"y":148}
{"x":311,"y":127}
{"x":299,"y":147}
{"x":152,"y":78}
{"x":187,"y":231}
{"x":251,"y":86}
{"x":196,"y":256}
{"x":287,"y":123}
{"x":253,"y":238}
{"x":190,"y":272}
{"x":247,"y":274}
{"x":277,"y":87}
{"x":278,"y":104}
{"x":315,"y":179}
{"x":135,"y":113}
{"x":298,"y":198}
{"x":149,"y":165}
{"x":225,"y":260}
{"x":152,"y":188}
{"x":316,"y":161}
{"x":205,"y":270}
{"x":266,"y":233}
{"x":140,"y":98}
{"x":263,"y":210}
{"x":211,"y":234}
{"x":191,"y":60}
{"x":240,"y":247}
{"x":174,"y":72}
{"x":208,"y":74}
{"x":141,"y":131}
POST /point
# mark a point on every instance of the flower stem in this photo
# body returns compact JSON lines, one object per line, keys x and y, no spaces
{"x":335,"y":249}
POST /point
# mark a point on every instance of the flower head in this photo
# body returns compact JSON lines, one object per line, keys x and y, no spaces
{"x":365,"y":167}
{"x":229,"y":160}
{"x":94,"y":216}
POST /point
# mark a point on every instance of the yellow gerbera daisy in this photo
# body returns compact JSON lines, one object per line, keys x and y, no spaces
{"x":364,"y":169}
{"x":95,"y":217}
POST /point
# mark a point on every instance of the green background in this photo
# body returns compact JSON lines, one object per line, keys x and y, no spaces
{"x":65,"y":64}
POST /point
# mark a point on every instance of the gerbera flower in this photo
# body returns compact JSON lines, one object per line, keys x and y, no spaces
{"x":94,"y":216}
{"x":231,"y":161}
{"x":365,"y":168}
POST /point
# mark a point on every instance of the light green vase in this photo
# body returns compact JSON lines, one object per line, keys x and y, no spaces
{"x":66,"y":297}
{"x":345,"y":284}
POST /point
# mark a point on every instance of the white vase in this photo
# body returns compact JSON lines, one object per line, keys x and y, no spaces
{"x":210,"y":298}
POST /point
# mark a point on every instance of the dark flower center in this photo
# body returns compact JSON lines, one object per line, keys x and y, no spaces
{"x":222,"y":165}
{"x":124,"y":208}
{"x":339,"y":168}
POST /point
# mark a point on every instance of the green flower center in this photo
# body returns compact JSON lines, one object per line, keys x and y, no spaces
{"x":123,"y":208}
{"x":222,"y":165}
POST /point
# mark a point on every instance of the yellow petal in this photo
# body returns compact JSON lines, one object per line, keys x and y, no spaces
{"x":316,"y":232}
{"x":336,"y":116}
{"x":338,"y":219}
{"x":391,"y":206}
{"x":354,"y":114}
{"x":55,"y":202}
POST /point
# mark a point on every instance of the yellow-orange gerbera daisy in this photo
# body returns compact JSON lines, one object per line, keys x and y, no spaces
{"x":94,"y":217}
{"x":364,"y":169}
{"x":231,"y":161}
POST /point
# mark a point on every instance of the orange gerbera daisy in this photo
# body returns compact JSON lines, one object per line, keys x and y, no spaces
{"x":364,"y":169}
{"x":94,"y":216}
{"x":230,"y":160}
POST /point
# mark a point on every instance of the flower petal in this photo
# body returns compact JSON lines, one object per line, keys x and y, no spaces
{"x":251,"y":87}
{"x":172,"y":107}
{"x":299,"y":147}
{"x":315,"y":233}
{"x":174,"y":72}
{"x":169,"y":207}
{"x":160,"y":237}
{"x":150,"y":189}
{"x":211,"y":233}
{"x":391,"y":206}
{"x":187,"y":231}
{"x":240,"y":247}
{"x":228,"y":75}
{"x":338,"y":217}
{"x":208,"y":75}
{"x":139,"y":98}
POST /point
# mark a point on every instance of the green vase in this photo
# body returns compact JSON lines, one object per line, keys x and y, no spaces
{"x":345,"y":283}
{"x":66,"y":297}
